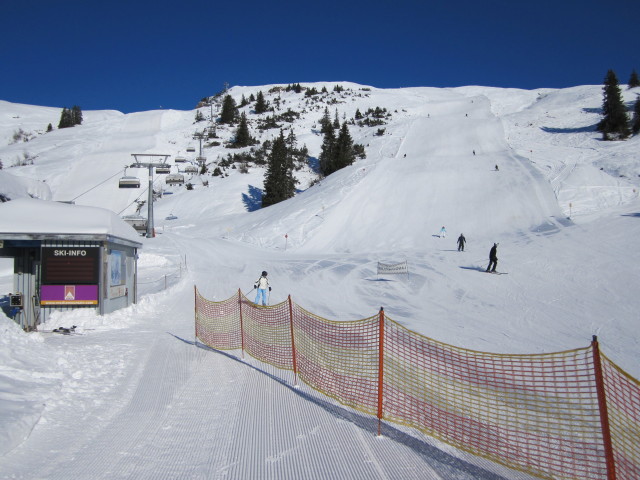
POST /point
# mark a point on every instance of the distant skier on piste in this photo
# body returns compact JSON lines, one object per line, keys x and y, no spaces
{"x":443,"y":232}
{"x":262,"y":285}
{"x":493,"y":258}
{"x":461,"y":242}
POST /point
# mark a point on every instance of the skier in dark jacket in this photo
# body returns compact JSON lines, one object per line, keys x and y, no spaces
{"x":461,"y":242}
{"x":493,"y":258}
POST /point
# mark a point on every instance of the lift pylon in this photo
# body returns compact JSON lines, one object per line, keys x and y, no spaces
{"x":161,"y":162}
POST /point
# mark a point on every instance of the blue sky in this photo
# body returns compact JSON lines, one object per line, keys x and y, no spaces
{"x":135,"y":55}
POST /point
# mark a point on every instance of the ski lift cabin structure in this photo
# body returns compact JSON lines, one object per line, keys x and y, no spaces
{"x":180,"y":160}
{"x":67,"y":257}
{"x":129,"y":182}
{"x":138,"y":222}
{"x":174,"y":179}
{"x":191,"y":149}
{"x":190,"y":169}
{"x":163,"y":170}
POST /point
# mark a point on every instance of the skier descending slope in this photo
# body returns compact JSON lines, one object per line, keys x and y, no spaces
{"x":262,"y":284}
{"x":461,"y":242}
{"x":493,"y":258}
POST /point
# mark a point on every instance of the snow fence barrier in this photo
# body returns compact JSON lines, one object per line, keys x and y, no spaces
{"x":564,"y":415}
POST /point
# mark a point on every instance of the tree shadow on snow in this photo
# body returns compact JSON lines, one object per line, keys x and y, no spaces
{"x":441,"y":461}
{"x":253,"y":200}
{"x":314,"y":164}
{"x":589,"y":128}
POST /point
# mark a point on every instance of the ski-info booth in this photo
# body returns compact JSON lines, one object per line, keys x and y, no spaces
{"x":67,"y":257}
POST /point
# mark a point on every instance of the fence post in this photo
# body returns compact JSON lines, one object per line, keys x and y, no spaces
{"x":195,"y":309}
{"x":293,"y":345}
{"x":380,"y":367}
{"x":604,"y":415}
{"x":241,"y":326}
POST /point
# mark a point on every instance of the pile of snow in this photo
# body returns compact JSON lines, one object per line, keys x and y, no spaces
{"x":31,"y":216}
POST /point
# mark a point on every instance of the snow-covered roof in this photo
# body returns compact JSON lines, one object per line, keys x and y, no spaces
{"x":29,"y":218}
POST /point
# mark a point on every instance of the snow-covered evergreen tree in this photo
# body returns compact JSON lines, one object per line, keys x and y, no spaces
{"x":243,"y":137}
{"x":279,"y":183}
{"x":229,"y":111}
{"x":261,"y":104}
{"x":635,"y":125}
{"x":615,"y":124}
{"x":634,"y":81}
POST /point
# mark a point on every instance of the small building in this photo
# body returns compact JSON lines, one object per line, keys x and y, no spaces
{"x":67,"y":257}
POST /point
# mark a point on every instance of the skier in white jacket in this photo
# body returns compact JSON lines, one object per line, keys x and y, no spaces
{"x":262,"y":284}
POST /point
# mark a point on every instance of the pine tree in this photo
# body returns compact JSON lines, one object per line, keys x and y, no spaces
{"x":261,"y":105}
{"x":327,"y":153}
{"x":634,"y":81}
{"x":291,"y":141}
{"x":229,"y":111}
{"x":76,"y":115}
{"x":325,"y":122}
{"x":344,"y":153}
{"x":279,"y":183}
{"x":614,"y":125}
{"x":243,"y":137}
{"x":336,"y":121}
{"x":66,"y":120}
{"x":635,"y":126}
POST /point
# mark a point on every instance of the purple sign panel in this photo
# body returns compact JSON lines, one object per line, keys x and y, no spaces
{"x":69,"y":295}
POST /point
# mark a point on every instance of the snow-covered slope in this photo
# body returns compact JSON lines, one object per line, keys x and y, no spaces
{"x":433,"y":165}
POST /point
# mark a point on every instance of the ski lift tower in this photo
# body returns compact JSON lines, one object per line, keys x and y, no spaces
{"x":200,"y":159}
{"x":161,"y":162}
{"x":199,"y":136}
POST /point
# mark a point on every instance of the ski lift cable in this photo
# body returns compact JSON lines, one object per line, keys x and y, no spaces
{"x":95,"y":186}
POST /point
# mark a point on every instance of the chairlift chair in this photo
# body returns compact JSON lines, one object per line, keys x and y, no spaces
{"x":180,"y":160}
{"x":163,"y":170}
{"x":174,"y":179}
{"x":191,"y":149}
{"x":138,"y":222}
{"x":129,"y":182}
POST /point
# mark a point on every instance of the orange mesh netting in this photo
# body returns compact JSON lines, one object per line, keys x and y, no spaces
{"x":551,"y":415}
{"x":623,"y":408}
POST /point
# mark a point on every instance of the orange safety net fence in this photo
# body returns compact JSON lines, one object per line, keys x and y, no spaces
{"x":564,"y":415}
